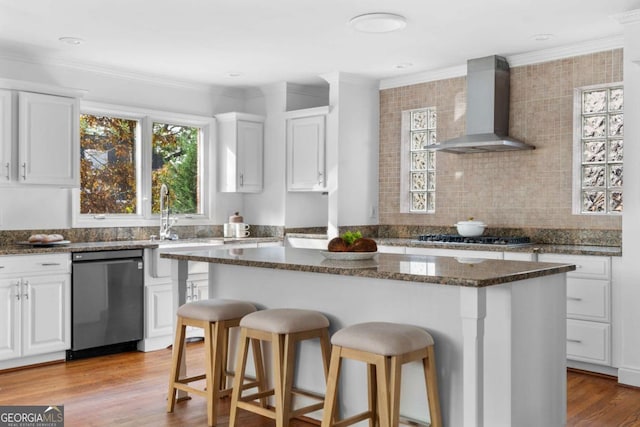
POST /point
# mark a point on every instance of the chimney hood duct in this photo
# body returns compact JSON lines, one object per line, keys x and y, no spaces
{"x":487,"y":110}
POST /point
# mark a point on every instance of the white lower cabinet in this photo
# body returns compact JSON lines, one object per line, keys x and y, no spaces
{"x":35,"y":296}
{"x":589,"y":338}
{"x":159,"y":313}
{"x":458,"y":253}
{"x":589,"y":341}
{"x":158,"y":310}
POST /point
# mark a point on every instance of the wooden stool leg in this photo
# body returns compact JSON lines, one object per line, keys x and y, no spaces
{"x":238,"y":380}
{"x":209,"y":372}
{"x":431,"y":379}
{"x":176,"y":359}
{"x":382,"y":374}
{"x":287,"y":379}
{"x":394,"y":390}
{"x":331,"y":398}
{"x":259,"y":368}
{"x":223,"y":346}
{"x":372,"y":384}
{"x":277,"y":345}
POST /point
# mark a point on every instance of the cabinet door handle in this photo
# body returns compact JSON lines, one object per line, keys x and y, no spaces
{"x":24,"y":171}
{"x":48,"y":264}
{"x":8,"y":166}
{"x":241,"y":179}
{"x":320,"y":177}
{"x":17,"y":285}
{"x":574,"y":299}
{"x":574,"y":341}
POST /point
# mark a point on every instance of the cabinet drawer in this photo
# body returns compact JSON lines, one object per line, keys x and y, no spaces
{"x":589,"y":342}
{"x":592,"y":267}
{"x":588,"y":299}
{"x":35,"y":264}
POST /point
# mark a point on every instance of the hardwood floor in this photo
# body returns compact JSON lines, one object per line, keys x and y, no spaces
{"x":130,"y":389}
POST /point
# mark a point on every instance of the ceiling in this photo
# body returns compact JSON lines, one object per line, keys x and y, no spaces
{"x":203,"y":41}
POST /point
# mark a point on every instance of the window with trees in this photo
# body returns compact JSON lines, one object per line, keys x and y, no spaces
{"x":598,"y":153}
{"x":125,"y":158}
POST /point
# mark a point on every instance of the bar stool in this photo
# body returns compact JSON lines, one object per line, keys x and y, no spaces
{"x":216,"y":317}
{"x":283,"y":328}
{"x":385,"y":347}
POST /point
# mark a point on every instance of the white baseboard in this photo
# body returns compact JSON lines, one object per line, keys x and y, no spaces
{"x":33,"y":360}
{"x":629,"y":376}
{"x":600,"y":369}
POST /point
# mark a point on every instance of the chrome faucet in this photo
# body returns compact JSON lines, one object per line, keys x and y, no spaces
{"x":166,"y":222}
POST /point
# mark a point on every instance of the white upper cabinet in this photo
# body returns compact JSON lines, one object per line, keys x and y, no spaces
{"x":240,"y":142}
{"x":5,"y":136}
{"x":48,"y":140}
{"x":306,"y":152}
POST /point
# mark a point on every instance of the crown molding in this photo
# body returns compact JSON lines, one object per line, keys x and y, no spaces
{"x":528,"y":58}
{"x":424,"y":77}
{"x":628,"y":17}
{"x":116,"y":73}
{"x":30,"y":86}
{"x":561,"y":52}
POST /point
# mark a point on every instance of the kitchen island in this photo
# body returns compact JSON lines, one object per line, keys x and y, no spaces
{"x":499,"y":326}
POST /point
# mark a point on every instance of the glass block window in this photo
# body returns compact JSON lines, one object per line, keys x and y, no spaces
{"x":599,"y":149}
{"x":422,"y":170}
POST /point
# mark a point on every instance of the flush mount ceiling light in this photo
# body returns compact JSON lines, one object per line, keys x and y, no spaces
{"x":378,"y":22}
{"x":74,"y":41}
{"x":542,"y":37}
{"x":403,"y":66}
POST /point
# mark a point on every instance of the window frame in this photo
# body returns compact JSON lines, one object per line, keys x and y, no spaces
{"x":405,"y":163}
{"x":145,"y":217}
{"x":576,"y":203}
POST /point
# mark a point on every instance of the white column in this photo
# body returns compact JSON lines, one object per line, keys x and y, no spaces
{"x":473,"y":304}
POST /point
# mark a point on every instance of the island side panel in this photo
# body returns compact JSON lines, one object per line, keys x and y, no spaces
{"x":525,"y":353}
{"x":347,"y":300}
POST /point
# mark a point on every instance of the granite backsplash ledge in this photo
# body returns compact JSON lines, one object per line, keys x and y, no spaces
{"x":110,"y":234}
{"x":537,"y":235}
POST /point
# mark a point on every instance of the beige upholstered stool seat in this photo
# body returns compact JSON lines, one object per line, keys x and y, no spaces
{"x":214,"y":310}
{"x":285,"y":320}
{"x":384,"y":347}
{"x":284,"y":328}
{"x":387,"y":339}
{"x":216,"y":317}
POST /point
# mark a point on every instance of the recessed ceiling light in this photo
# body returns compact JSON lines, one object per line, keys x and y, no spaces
{"x":403,"y":66}
{"x":74,"y":41}
{"x":542,"y":37}
{"x":234,"y":74}
{"x":378,"y":22}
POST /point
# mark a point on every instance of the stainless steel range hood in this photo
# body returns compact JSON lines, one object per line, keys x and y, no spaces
{"x":487,"y":110}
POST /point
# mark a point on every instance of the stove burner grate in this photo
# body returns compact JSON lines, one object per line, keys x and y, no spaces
{"x":481,"y":240}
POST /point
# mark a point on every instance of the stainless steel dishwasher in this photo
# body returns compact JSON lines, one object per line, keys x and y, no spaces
{"x":107,"y":302}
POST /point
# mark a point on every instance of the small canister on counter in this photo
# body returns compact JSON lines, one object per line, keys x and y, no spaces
{"x":235,"y":218}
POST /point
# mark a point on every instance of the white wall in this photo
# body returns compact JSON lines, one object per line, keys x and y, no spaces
{"x":23,"y":207}
{"x":629,"y":287}
{"x":352,"y":151}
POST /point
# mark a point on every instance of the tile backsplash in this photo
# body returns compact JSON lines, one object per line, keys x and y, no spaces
{"x":522,"y":189}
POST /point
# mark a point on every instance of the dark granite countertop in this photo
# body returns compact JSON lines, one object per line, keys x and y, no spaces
{"x":532,"y":248}
{"x":18,"y":249}
{"x":415,"y":268}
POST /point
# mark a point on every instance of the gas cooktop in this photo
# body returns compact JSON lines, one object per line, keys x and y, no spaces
{"x":479,"y":240}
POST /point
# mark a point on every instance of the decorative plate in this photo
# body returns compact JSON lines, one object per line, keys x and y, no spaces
{"x":348,"y":256}
{"x":44,"y":244}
